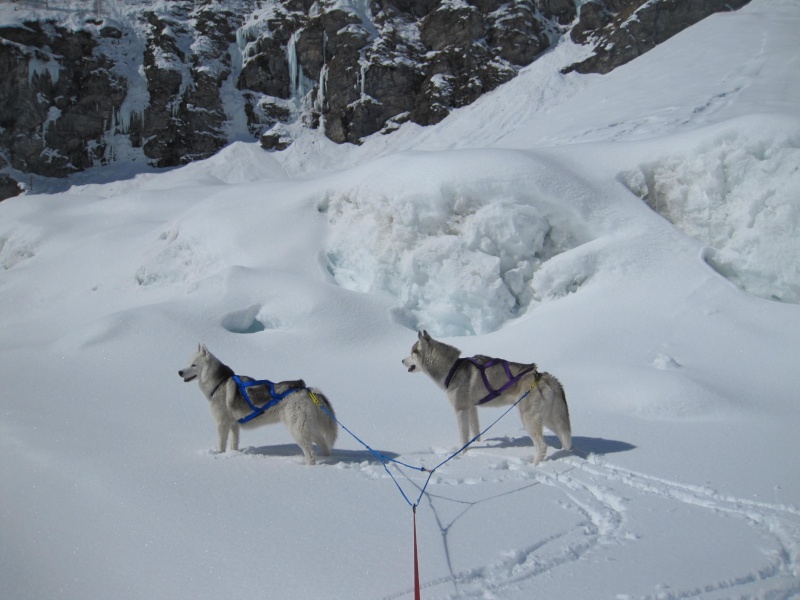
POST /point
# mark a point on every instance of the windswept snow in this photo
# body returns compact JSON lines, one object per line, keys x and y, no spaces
{"x":635,"y":234}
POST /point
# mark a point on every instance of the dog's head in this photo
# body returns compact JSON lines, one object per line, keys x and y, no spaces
{"x":414,"y":361}
{"x":196,"y":364}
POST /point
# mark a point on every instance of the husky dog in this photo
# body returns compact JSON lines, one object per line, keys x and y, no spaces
{"x":298,"y":409}
{"x":469,"y":382}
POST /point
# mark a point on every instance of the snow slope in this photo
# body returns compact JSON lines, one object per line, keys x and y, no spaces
{"x":513,"y":228}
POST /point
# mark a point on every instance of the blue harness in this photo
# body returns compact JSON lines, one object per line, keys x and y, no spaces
{"x":275,"y":397}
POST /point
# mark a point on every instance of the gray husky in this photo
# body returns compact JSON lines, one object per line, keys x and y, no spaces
{"x":479,"y":380}
{"x":292,"y":402}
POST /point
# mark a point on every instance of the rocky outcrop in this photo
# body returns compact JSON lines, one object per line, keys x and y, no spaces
{"x":59,"y":96}
{"x":155,"y":81}
{"x":174,"y":82}
{"x":9,"y":187}
{"x":185,"y":117}
{"x":403,"y":60}
{"x":621,"y":30}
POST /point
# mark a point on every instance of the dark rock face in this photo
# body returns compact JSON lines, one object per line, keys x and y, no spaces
{"x":176,"y":83}
{"x":58,"y":99}
{"x":406,"y":59}
{"x":185,"y":118}
{"x":518,"y":36}
{"x":622,"y":30}
{"x":9,"y":187}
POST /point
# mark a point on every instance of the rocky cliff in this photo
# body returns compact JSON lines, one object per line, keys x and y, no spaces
{"x":85,"y":84}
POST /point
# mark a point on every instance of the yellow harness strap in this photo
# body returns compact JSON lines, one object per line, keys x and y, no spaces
{"x":314,"y":398}
{"x":536,"y":380}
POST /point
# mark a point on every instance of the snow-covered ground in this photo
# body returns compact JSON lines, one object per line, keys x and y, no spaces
{"x":514,"y":228}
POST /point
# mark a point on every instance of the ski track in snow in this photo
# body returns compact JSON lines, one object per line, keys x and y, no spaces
{"x":777,"y":522}
{"x":602,"y":494}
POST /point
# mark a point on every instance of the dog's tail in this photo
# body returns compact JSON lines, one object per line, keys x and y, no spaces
{"x":329,"y":426}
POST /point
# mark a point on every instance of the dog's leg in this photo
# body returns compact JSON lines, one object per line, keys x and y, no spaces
{"x":317,"y":432}
{"x":222,"y":436}
{"x":298,"y":423}
{"x":304,"y":442}
{"x":463,"y":419}
{"x":538,"y":442}
{"x":235,"y":436}
{"x":308,"y":452}
{"x":532,"y":421}
{"x":474,"y":423}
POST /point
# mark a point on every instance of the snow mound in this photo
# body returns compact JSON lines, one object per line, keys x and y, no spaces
{"x":238,"y":162}
{"x":175,"y":258}
{"x":458,"y":251}
{"x":14,"y":251}
{"x":739,"y":194}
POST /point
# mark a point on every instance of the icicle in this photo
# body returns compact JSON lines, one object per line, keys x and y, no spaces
{"x":294,"y":67}
{"x":323,"y":75}
{"x":38,"y":68}
{"x":363,"y":76}
{"x":123,"y":117}
{"x":319,"y":105}
{"x":53,"y":115}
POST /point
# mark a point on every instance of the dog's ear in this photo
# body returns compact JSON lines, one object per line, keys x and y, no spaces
{"x":426,"y":335}
{"x":202,"y":349}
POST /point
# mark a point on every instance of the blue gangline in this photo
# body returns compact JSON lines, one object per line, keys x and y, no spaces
{"x":385,"y":459}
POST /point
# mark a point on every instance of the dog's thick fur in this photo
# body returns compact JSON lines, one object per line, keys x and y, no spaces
{"x":546,"y":405}
{"x":305,"y":421}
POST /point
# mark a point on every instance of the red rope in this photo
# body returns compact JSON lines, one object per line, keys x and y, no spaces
{"x":416,"y":561}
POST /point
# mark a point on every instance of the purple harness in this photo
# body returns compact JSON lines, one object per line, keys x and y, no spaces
{"x":493,"y":393}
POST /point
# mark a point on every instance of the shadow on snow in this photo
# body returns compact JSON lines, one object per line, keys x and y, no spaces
{"x":337,"y":455}
{"x":582,"y":446}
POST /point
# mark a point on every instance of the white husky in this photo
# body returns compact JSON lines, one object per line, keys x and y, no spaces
{"x":470,"y":382}
{"x":297,"y":406}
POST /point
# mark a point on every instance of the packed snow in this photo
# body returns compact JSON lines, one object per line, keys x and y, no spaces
{"x":635,"y":234}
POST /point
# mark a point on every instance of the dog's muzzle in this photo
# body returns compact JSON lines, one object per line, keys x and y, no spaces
{"x":187,"y":378}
